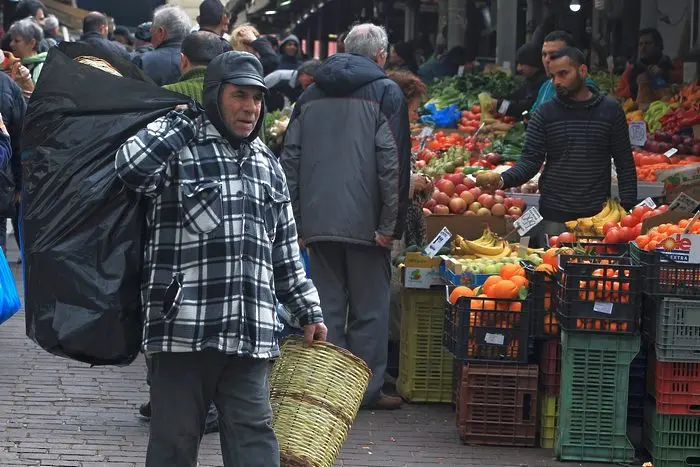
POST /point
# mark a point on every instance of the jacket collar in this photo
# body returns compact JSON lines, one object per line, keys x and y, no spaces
{"x":207,"y":134}
{"x":170,"y":44}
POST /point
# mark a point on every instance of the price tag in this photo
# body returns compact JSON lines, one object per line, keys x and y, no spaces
{"x":684,"y":203}
{"x":648,"y":202}
{"x":460,"y":71}
{"x":438,"y":242}
{"x":670,"y":152}
{"x":522,"y":249}
{"x":425,"y":133}
{"x":505,"y":105}
{"x":638,"y":133}
{"x":494,"y":339}
{"x":528,"y":220}
{"x":603,"y":307}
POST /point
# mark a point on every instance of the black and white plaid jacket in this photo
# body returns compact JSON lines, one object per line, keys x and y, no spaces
{"x":222,"y":243}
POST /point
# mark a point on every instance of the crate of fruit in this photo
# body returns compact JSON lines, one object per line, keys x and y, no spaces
{"x":487,"y":327}
{"x":599,"y":294}
{"x":662,"y":275}
{"x":671,"y":440}
{"x":675,"y":328}
{"x":497,"y":404}
{"x":542,"y":283}
{"x":594,"y":246}
{"x":593,"y":397}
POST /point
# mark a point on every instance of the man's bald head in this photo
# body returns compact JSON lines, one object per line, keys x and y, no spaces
{"x":95,"y":22}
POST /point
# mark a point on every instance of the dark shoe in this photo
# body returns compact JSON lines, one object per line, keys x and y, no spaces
{"x":385,"y":402}
{"x":145,"y":410}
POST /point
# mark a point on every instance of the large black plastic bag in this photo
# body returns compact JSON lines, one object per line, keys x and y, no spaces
{"x":82,"y":230}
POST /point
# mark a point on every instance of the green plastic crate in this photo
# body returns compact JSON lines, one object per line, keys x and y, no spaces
{"x":672,"y":440}
{"x":592,"y":423}
{"x":425,"y":367}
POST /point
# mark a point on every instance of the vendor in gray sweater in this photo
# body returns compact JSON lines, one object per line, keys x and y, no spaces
{"x":576,"y":135}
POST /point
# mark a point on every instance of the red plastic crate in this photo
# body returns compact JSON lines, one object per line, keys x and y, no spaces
{"x":550,"y":367}
{"x":497,"y":404}
{"x":676,"y":387}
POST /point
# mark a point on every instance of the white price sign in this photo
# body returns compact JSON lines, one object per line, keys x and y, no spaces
{"x":648,"y":202}
{"x":671,"y":152}
{"x":438,"y":242}
{"x":638,"y":133}
{"x":494,"y":339}
{"x":603,"y":307}
{"x":684,"y":203}
{"x":528,"y":220}
{"x":425,"y":133}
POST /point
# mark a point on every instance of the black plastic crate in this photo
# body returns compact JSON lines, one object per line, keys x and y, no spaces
{"x":544,"y":323}
{"x":596,"y":246}
{"x":486,"y":329}
{"x":664,"y":277}
{"x":637,"y":387}
{"x":602,"y":295}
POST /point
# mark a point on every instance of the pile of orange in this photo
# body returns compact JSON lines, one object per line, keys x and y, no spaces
{"x":656,"y":236}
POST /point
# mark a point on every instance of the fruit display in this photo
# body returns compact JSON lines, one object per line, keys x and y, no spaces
{"x":458,"y":194}
{"x":662,"y":235}
{"x":662,"y":141}
{"x":612,"y":212}
{"x":488,"y":254}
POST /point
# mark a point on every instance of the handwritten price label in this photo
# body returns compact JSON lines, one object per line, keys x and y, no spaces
{"x":684,"y":203}
{"x":648,"y":202}
{"x":438,"y":242}
{"x":638,"y":133}
{"x":528,"y":220}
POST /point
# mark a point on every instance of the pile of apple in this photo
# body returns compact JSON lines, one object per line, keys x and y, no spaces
{"x":458,"y":194}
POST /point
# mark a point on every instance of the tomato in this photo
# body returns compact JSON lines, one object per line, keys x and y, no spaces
{"x":662,"y":208}
{"x":639,"y":211}
{"x":637,"y":229}
{"x":554,"y":241}
{"x":649,"y":214}
{"x":567,"y":237}
{"x":629,"y":221}
{"x":508,"y":119}
{"x":476,"y":108}
{"x":626,"y":234}
{"x":613,"y":236}
{"x":608,"y":226}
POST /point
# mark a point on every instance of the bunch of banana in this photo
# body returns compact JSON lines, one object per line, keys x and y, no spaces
{"x":488,"y":246}
{"x":593,"y":226}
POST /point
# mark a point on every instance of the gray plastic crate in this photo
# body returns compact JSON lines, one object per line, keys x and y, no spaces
{"x":678,"y":330}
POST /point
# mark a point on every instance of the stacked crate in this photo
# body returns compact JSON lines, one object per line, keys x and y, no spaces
{"x":598,"y":305}
{"x":671,"y":324}
{"x":495,"y":388}
{"x":544,"y":331}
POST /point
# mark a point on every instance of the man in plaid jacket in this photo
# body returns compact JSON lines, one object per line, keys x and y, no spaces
{"x":222,"y":245}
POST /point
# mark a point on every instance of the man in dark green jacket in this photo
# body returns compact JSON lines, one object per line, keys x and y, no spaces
{"x":198,"y":49}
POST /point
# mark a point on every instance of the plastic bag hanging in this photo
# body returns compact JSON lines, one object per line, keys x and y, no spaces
{"x":9,"y":297}
{"x":83,"y":231}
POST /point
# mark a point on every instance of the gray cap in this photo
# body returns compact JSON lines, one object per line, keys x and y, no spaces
{"x":239,"y":68}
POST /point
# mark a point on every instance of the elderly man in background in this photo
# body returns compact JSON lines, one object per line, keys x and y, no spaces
{"x":142,"y":38}
{"x":347,"y":157}
{"x":170,"y":27}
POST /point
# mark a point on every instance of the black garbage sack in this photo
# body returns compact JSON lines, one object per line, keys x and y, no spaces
{"x":82,"y":230}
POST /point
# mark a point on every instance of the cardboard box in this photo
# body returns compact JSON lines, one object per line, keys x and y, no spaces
{"x":683,"y":179}
{"x":421,"y":272}
{"x":469,"y":227}
{"x":668,"y":217}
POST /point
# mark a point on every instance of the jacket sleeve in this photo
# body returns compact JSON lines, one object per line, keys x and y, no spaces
{"x":268,"y":57}
{"x":14,"y":121}
{"x":621,"y":150}
{"x":393,"y":152}
{"x":291,"y":160}
{"x":142,"y":161}
{"x":533,"y":154}
{"x":5,"y":150}
{"x":296,"y":292}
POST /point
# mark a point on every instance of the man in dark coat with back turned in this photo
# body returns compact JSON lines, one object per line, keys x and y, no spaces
{"x":347,"y":156}
{"x":95,"y":30}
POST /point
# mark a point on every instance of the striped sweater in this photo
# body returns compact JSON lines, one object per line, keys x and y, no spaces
{"x":191,"y":84}
{"x":576,"y":141}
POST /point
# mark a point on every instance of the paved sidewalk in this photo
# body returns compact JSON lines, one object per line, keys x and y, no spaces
{"x":56,"y":412}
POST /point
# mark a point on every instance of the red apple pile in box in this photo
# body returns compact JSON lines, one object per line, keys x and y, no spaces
{"x":458,"y":194}
{"x":629,"y":227}
{"x":662,"y":141}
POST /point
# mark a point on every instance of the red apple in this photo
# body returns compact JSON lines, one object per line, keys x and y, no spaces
{"x":515,"y":211}
{"x":476,"y":192}
{"x":508,"y":202}
{"x":518,"y":202}
{"x":430,"y":204}
{"x":500,"y":193}
{"x":460,"y":188}
{"x":467,"y":196}
{"x":469,"y":183}
{"x":441,"y":210}
{"x":442,"y":198}
{"x":474,"y":207}
{"x":457,"y":206}
{"x":498,"y":210}
{"x":498,"y":199}
{"x":446,"y":186}
{"x":469,"y":213}
{"x":455,"y":178}
{"x":486,"y":201}
{"x":483,"y":212}
{"x":427,"y":212}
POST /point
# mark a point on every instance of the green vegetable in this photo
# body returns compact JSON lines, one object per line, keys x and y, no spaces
{"x":464,"y":90}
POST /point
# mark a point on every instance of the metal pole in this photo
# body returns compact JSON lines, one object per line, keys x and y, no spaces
{"x":506,"y":39}
{"x":456,"y":22}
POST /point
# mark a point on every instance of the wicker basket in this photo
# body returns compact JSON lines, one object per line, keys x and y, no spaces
{"x":315,"y":394}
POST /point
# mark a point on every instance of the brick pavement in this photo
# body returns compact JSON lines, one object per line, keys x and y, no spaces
{"x":56,"y":412}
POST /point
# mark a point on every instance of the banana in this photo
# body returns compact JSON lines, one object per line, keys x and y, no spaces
{"x":505,"y":251}
{"x":487,"y":251}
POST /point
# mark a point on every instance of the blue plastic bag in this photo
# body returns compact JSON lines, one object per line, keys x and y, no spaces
{"x":446,"y":117}
{"x":9,"y":297}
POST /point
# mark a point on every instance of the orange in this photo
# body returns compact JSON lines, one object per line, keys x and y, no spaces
{"x":460,"y":291}
{"x":490,"y":282}
{"x":504,"y":289}
{"x":510,"y":270}
{"x":547,"y":268}
{"x":520,"y":281}
{"x":550,"y":257}
{"x":516,"y":306}
{"x":478,"y":304}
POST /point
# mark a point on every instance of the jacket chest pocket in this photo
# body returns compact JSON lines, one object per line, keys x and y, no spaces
{"x":202,"y":206}
{"x":272,"y":205}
